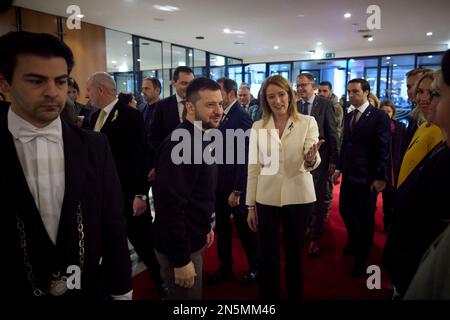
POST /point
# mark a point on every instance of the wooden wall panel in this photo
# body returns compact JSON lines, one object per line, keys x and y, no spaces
{"x":8,"y":21}
{"x":89,"y":48}
{"x":39,"y":22}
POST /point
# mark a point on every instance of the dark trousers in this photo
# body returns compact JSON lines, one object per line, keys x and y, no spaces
{"x":223,"y":233}
{"x":388,"y":207}
{"x":357,"y":205}
{"x":139,"y":231}
{"x":329,"y":195}
{"x":294,"y":219}
{"x":320,"y":176}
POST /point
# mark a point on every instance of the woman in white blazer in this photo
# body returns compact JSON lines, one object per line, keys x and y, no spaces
{"x":280,"y":189}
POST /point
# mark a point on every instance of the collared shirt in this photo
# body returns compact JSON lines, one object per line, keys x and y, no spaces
{"x":310,"y":101}
{"x":109,"y":108}
{"x":225,"y":112}
{"x":180,"y":105}
{"x":361,"y":109}
{"x":42,"y":163}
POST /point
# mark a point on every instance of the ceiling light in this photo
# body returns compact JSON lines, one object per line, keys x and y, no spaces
{"x":347,"y":15}
{"x":130,"y":42}
{"x":395,"y":64}
{"x":139,"y":60}
{"x":226,"y":30}
{"x":370,"y":39}
{"x":165,"y":8}
{"x":200,"y":37}
{"x":190,"y":54}
{"x":80,"y":16}
{"x":388,"y":58}
{"x":276,"y":47}
{"x":114,"y":61}
{"x":430,"y":57}
{"x":429,"y":34}
{"x":352,"y":60}
{"x":387,"y":62}
{"x":319,"y":43}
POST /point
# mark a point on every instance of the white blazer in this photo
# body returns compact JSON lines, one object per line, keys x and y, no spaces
{"x":277,"y":175}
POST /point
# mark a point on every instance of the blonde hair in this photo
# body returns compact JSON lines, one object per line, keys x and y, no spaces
{"x":375,"y":100}
{"x":284,"y":84}
{"x":417,"y":113}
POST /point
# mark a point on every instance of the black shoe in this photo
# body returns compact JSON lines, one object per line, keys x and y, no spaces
{"x":221,"y":274}
{"x":359,"y":269}
{"x":249,"y":278}
{"x":163,"y":290}
{"x":348,"y":250}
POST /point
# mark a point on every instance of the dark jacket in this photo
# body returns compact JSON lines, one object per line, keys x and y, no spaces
{"x":365,"y":149}
{"x":184,"y":199}
{"x":91,"y":182}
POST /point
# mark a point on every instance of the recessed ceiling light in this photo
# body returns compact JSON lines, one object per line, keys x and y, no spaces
{"x":319,"y":43}
{"x":158,"y":19}
{"x":130,"y":42}
{"x":139,"y":60}
{"x":190,"y":54}
{"x":226,"y":30}
{"x":276,"y":47}
{"x":200,"y":37}
{"x":370,"y":39}
{"x":114,"y":61}
{"x":387,"y":62}
{"x":347,"y":15}
{"x":388,"y":58}
{"x":165,"y":8}
{"x":301,"y":15}
{"x":80,"y":16}
{"x":429,"y":34}
{"x":430,"y":57}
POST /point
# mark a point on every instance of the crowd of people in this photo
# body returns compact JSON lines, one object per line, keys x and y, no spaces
{"x":78,"y":178}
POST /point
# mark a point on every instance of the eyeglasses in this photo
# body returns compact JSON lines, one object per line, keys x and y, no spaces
{"x":434,"y":94}
{"x":303,"y":85}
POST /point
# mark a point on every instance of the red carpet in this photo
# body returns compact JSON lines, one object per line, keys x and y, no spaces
{"x":327,"y":277}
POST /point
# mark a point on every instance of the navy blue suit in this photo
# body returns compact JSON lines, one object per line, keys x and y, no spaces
{"x":363,"y":159}
{"x":164,"y":120}
{"x":233,"y":177}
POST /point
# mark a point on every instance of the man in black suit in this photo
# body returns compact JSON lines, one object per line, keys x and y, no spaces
{"x":60,"y":193}
{"x":184,"y":192}
{"x":363,"y":163}
{"x":168,"y":113}
{"x":232,"y":184}
{"x":124,"y":127}
{"x":323,"y":111}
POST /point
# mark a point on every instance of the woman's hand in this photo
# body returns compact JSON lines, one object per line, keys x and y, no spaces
{"x":312,"y":153}
{"x":251,"y":219}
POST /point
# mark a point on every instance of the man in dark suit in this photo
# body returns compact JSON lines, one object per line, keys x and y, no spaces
{"x":185,"y":193}
{"x":363,"y":163}
{"x":124,"y":127}
{"x":60,"y":194}
{"x":168,"y":113}
{"x":323,"y":111}
{"x":232,"y":184}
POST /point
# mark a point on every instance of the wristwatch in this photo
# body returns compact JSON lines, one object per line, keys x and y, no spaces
{"x":142,"y":196}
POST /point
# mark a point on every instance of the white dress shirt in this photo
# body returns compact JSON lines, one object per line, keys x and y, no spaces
{"x":180,"y":106}
{"x":41,"y":155}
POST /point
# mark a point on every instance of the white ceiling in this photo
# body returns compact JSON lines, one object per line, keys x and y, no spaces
{"x":294,"y":25}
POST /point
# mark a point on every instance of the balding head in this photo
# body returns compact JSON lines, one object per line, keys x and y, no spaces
{"x":101,"y":89}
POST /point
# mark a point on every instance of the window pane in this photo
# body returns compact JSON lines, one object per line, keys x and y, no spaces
{"x":332,"y":71}
{"x":254,"y":75}
{"x":178,"y":57}
{"x":431,"y":61}
{"x":366,"y":69}
{"x":150,"y":54}
{"x":167,"y":58}
{"x":231,"y":61}
{"x":199,"y":58}
{"x":217,"y":72}
{"x":215,"y":60}
{"x":283,"y":70}
{"x":235,"y":73}
{"x":119,"y":51}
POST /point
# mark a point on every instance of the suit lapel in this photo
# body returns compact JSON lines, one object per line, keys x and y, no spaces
{"x":75,"y":163}
{"x":228,"y":116}
{"x":315,"y":108}
{"x":363,"y":118}
{"x":113,"y":115}
{"x":290,"y":126}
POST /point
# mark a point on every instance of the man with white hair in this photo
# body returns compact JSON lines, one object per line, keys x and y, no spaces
{"x":124,"y":127}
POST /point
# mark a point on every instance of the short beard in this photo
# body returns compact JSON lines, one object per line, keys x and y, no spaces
{"x":205,"y":125}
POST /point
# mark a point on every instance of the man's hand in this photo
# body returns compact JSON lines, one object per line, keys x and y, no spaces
{"x":185,"y":276}
{"x":331,"y":169}
{"x":210,"y":238}
{"x":233,"y":200}
{"x":251,"y":219}
{"x":378,"y":186}
{"x":151,"y":175}
{"x":139,"y":206}
{"x":335,"y":177}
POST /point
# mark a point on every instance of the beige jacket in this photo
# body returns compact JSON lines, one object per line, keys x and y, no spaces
{"x":279,"y":177}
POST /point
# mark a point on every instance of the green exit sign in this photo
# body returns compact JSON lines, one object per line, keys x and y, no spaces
{"x":329,"y":55}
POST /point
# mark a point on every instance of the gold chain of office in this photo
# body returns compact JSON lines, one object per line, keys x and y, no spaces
{"x":58,"y":286}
